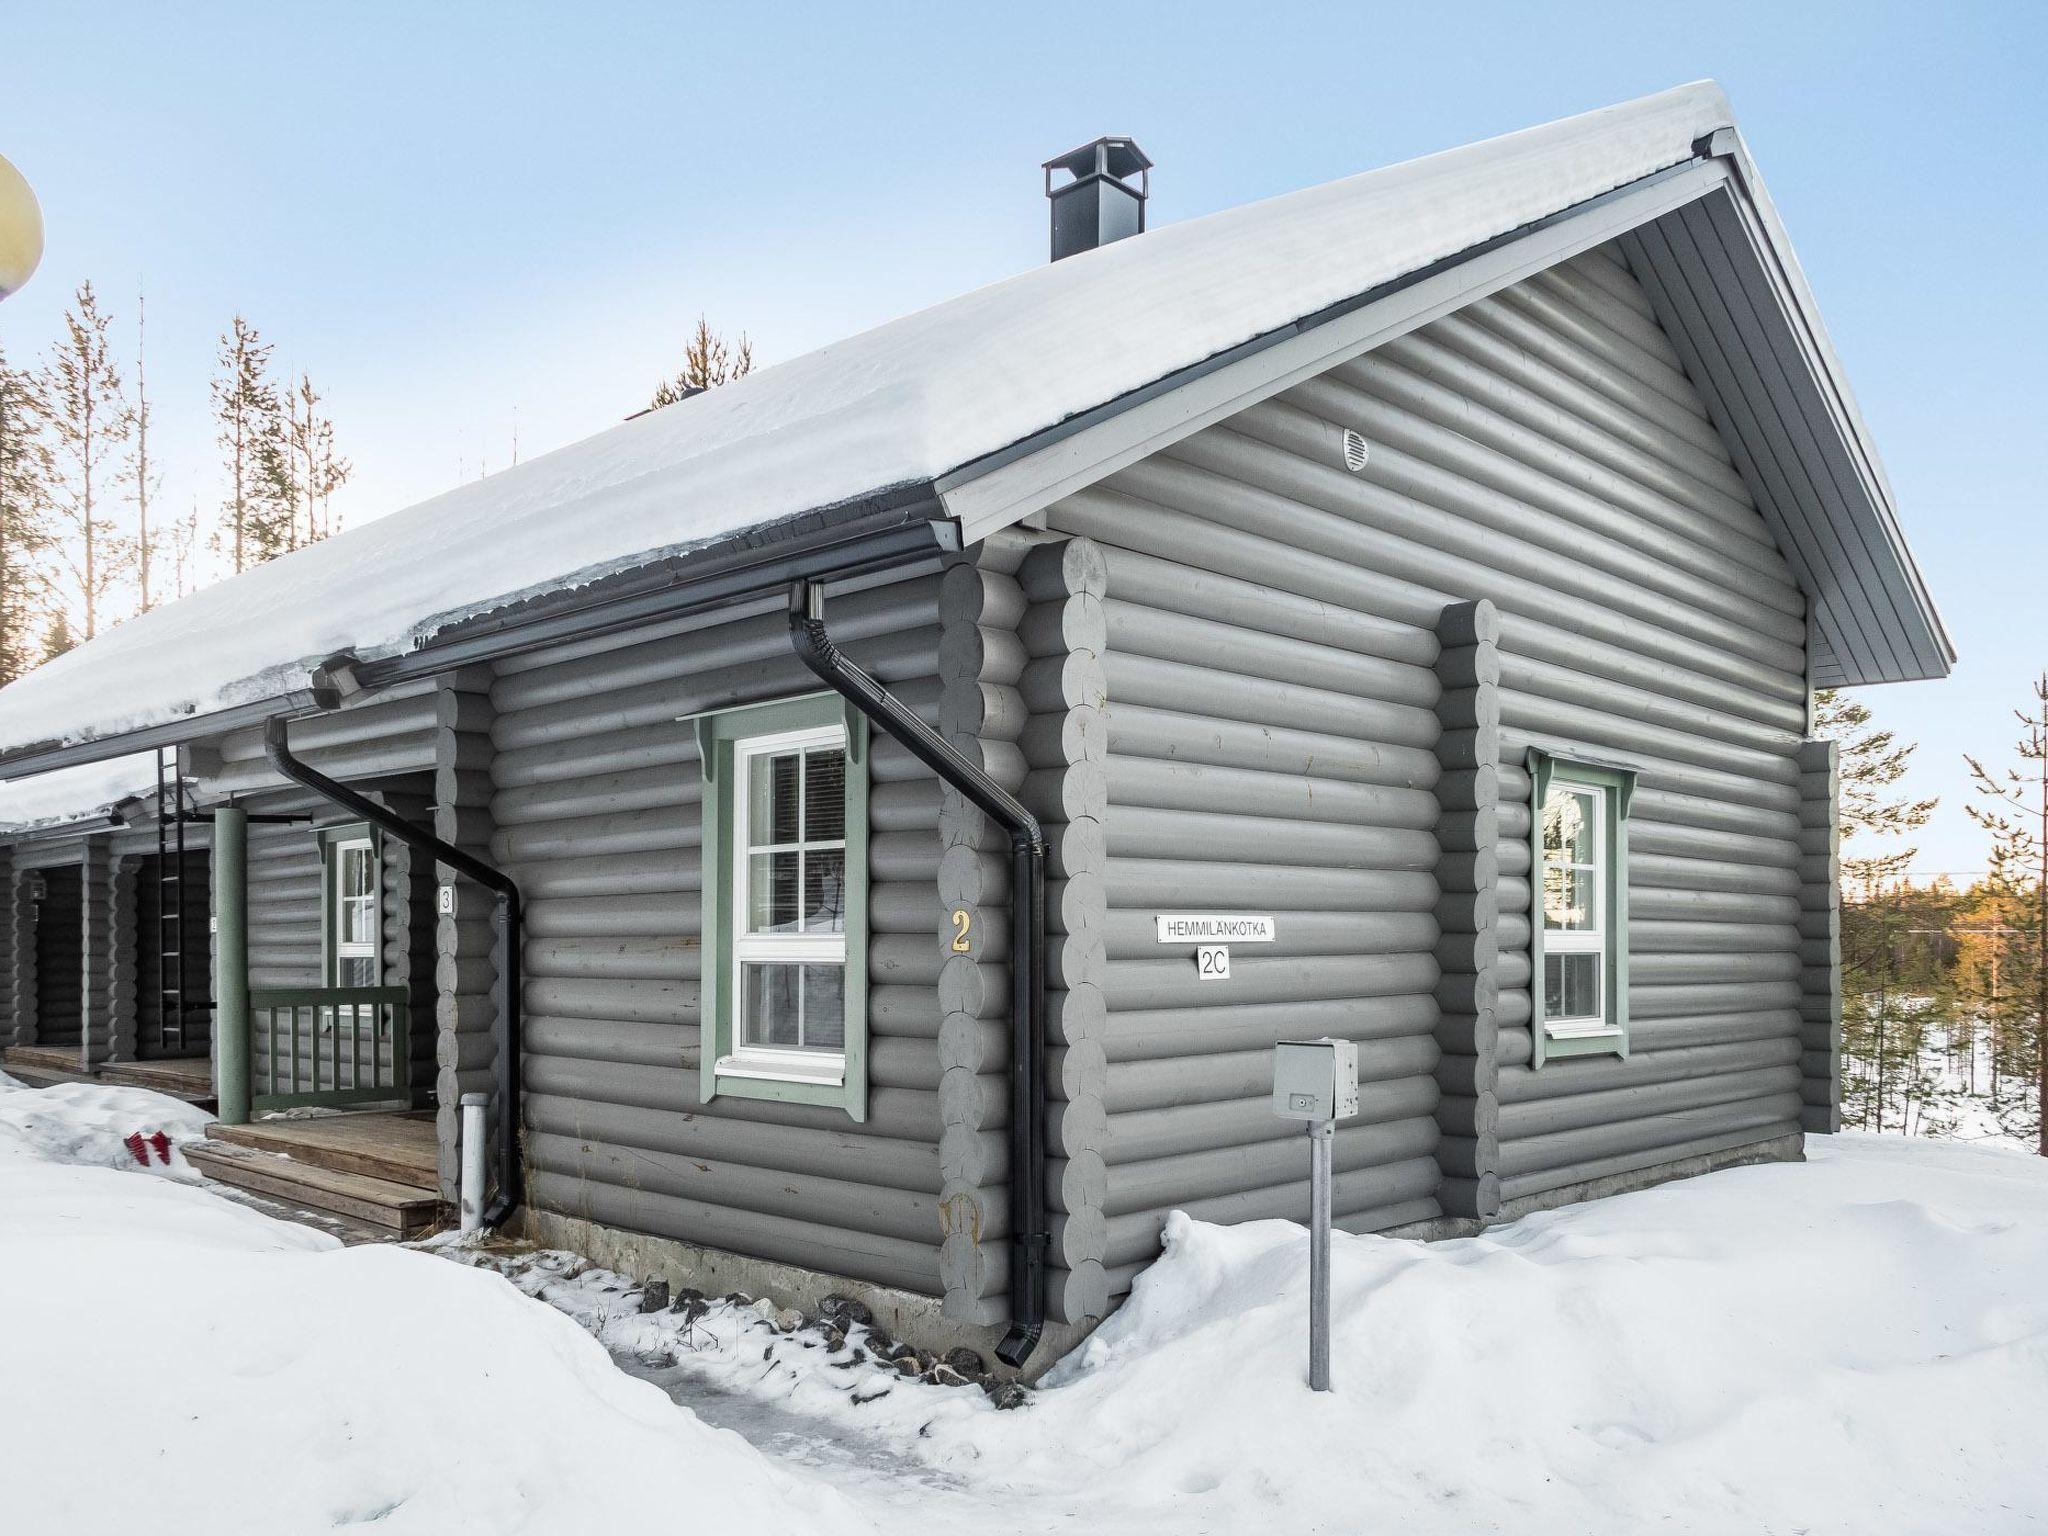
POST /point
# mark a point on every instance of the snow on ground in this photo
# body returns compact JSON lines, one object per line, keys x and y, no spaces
{"x":174,"y":1362}
{"x":103,"y":1126}
{"x":1852,"y":1345}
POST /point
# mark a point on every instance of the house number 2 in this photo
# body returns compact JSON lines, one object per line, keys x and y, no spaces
{"x":961,"y":924}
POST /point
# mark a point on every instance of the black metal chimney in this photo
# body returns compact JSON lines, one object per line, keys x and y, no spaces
{"x":1098,"y":202}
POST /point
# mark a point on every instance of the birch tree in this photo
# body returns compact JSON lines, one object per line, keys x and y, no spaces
{"x":88,"y":419}
{"x":25,"y":470}
{"x":143,"y":478}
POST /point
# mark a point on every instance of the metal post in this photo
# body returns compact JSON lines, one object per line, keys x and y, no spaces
{"x":231,"y":963}
{"x":1321,"y":1134}
{"x":473,"y":1159}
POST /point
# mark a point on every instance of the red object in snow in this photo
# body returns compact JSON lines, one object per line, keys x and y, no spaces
{"x":137,"y":1147}
{"x":161,"y":1145}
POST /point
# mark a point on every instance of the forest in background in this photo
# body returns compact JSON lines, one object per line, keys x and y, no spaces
{"x":1944,"y":984}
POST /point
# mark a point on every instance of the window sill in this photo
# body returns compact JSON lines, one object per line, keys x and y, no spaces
{"x":1582,"y":1029}
{"x":1590,"y":1037}
{"x":830,"y":1073}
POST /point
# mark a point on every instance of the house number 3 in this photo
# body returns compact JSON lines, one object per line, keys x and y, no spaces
{"x":961,"y":924}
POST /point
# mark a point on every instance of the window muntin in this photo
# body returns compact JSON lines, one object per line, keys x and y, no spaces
{"x":1576,"y":851}
{"x":354,"y":932}
{"x":1578,"y":943}
{"x":790,"y":898}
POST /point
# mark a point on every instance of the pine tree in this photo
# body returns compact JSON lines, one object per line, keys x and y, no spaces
{"x":142,"y":476}
{"x":2013,"y":810}
{"x":708,"y":361}
{"x":88,"y":420}
{"x":247,"y":416}
{"x":1882,"y":1030}
{"x":25,"y":471}
{"x":313,"y":470}
{"x":57,"y":637}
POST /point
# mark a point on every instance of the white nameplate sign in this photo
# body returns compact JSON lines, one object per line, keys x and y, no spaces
{"x":1211,"y":928}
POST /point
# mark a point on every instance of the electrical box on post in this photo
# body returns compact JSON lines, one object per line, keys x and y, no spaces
{"x":1315,"y":1080}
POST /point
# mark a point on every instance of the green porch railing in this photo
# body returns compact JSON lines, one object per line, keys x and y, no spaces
{"x":327,"y":1046}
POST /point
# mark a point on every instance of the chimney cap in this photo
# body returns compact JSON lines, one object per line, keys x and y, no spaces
{"x":1112,"y":155}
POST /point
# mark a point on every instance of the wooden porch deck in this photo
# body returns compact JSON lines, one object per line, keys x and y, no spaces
{"x":376,"y":1170}
{"x":185,"y":1077}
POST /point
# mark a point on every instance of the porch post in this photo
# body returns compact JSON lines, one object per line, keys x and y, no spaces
{"x":231,"y":963}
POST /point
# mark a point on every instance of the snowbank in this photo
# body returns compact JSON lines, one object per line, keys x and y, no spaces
{"x":176,"y":1363}
{"x":1858,"y":1344}
{"x":900,"y":404}
{"x":102,"y":1126}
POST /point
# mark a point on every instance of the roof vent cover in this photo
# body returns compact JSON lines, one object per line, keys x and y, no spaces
{"x":1098,"y":202}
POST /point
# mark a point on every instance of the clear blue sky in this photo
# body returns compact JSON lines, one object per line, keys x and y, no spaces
{"x":458,"y":215}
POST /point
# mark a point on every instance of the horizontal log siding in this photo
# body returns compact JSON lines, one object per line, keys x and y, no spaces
{"x":1269,"y":749}
{"x":285,"y":910}
{"x":374,"y":736}
{"x":595,"y":810}
{"x":1543,"y":450}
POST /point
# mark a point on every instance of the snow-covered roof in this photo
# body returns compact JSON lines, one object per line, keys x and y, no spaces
{"x":903,"y":404}
{"x":70,"y":795}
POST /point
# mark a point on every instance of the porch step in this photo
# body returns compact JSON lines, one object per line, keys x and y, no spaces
{"x":404,"y":1210}
{"x":399,"y":1148}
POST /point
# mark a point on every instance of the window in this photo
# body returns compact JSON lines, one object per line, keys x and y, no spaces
{"x":1579,"y":945}
{"x":784,"y":1001}
{"x":354,"y":887}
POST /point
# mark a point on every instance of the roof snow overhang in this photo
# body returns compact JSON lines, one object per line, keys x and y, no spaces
{"x":942,"y":427}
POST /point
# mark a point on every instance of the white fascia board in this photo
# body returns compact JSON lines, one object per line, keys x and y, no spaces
{"x":1007,"y":487}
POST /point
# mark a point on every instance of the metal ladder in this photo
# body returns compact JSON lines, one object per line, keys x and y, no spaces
{"x":171,"y":972}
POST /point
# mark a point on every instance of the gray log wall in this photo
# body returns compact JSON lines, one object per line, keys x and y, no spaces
{"x":1288,"y":735}
{"x":465,"y":940}
{"x":596,"y":813}
{"x":1272,"y":748}
{"x":1820,"y":932}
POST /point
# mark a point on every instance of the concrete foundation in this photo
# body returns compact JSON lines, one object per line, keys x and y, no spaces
{"x":901,"y":1314}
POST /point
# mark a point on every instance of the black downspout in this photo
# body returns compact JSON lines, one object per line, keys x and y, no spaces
{"x":277,"y":749}
{"x":1029,"y":1239}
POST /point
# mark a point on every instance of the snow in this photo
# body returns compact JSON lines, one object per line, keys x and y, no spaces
{"x":180,"y":1364}
{"x":91,"y":1123}
{"x":901,"y":404}
{"x":75,"y":794}
{"x":1855,"y":1344}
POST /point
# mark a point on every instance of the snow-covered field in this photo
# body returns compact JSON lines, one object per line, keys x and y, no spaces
{"x":1859,"y":1344}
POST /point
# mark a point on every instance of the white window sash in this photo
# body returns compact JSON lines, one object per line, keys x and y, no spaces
{"x":1589,"y":940}
{"x":750,"y":1058}
{"x":351,"y":949}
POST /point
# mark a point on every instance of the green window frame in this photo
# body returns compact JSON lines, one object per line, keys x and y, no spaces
{"x":337,"y":844}
{"x":1578,"y":908}
{"x":742,"y":862}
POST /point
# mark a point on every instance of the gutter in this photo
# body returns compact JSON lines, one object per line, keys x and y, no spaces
{"x":1029,"y":1237}
{"x":277,"y":750}
{"x":880,"y":534}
